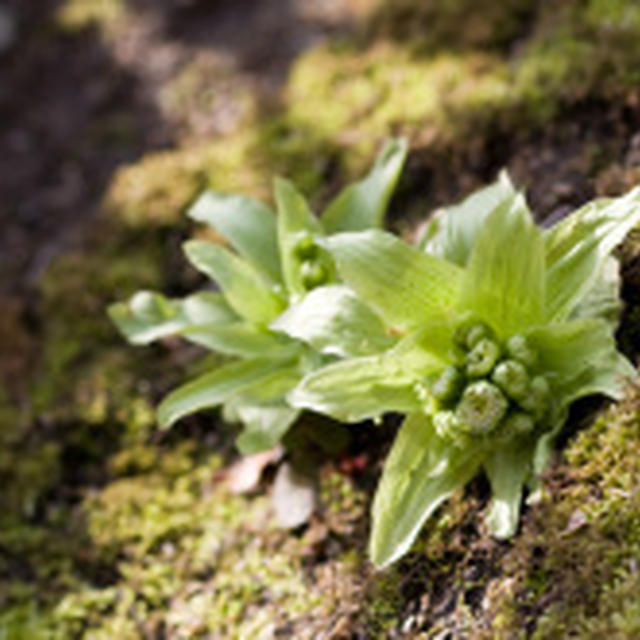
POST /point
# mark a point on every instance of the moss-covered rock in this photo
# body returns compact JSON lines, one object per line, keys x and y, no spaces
{"x":109,"y":530}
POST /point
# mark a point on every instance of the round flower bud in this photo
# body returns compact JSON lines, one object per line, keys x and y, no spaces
{"x":519,"y":349}
{"x":477,"y":333}
{"x":448,"y":386}
{"x":446,"y":424}
{"x":305,"y":248}
{"x":517,"y":423}
{"x":313,"y":274}
{"x":469,"y":332}
{"x":481,"y":407}
{"x":537,"y":400}
{"x":482,"y":358}
{"x":512,"y":378}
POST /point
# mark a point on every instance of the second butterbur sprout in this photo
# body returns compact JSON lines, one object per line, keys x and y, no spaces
{"x":493,"y":390}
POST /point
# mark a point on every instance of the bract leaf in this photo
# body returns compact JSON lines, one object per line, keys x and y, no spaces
{"x":246,"y":291}
{"x":215,"y":387}
{"x":458,"y":226}
{"x":275,"y":386}
{"x":504,"y":280}
{"x":264,"y":425}
{"x":603,"y":299}
{"x":208,"y":307}
{"x":294,"y":218}
{"x":578,"y":245}
{"x":405,"y":286}
{"x":248,"y":224}
{"x":507,"y":468}
{"x":359,"y":388}
{"x":580,"y":358}
{"x":421,"y":471}
{"x":334,"y":321}
{"x":149,"y":316}
{"x":238,"y":338}
{"x":355,"y":389}
{"x":362,"y":205}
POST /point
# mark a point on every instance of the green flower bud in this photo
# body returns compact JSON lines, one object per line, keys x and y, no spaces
{"x":477,"y":333}
{"x":519,"y":349}
{"x":517,"y":423}
{"x":446,"y":424}
{"x":512,"y":378}
{"x":538,"y":399}
{"x":481,"y":408}
{"x":448,"y":386}
{"x":482,"y":358}
{"x":313,"y":274}
{"x":305,"y":247}
{"x":470,"y":332}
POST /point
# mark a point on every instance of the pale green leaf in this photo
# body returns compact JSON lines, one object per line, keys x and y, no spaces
{"x":504,"y":281}
{"x":208,"y":307}
{"x":334,"y":321}
{"x":275,"y":386}
{"x":421,"y":471}
{"x":580,"y":358}
{"x":405,"y":286}
{"x":355,"y":389}
{"x":246,"y":291}
{"x":238,"y":338}
{"x":264,"y":425}
{"x":294,"y":219}
{"x":577,"y":247}
{"x":453,"y":231}
{"x":545,"y":446}
{"x":248,"y":224}
{"x":603,"y":299}
{"x":362,"y":205}
{"x":508,"y":468}
{"x":150,"y":316}
{"x":216,"y":387}
{"x":367,"y":387}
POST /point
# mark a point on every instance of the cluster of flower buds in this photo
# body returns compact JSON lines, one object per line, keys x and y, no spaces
{"x":315,"y":265}
{"x":492,"y":390}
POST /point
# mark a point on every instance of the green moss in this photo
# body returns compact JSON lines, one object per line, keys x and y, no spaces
{"x":76,"y":15}
{"x":198,"y":562}
{"x":566,"y":54}
{"x":209,"y":97}
{"x":369,"y":94}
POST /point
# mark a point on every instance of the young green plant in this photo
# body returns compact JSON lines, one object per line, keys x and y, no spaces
{"x":275,"y":264}
{"x":503,"y":325}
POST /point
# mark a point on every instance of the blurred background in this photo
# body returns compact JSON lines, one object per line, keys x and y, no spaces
{"x":114,"y":115}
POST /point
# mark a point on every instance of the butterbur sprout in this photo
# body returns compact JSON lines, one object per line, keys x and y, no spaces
{"x":272,"y":263}
{"x":505,"y":320}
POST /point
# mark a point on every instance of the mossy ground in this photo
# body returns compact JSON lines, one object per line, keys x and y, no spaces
{"x":109,"y":529}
